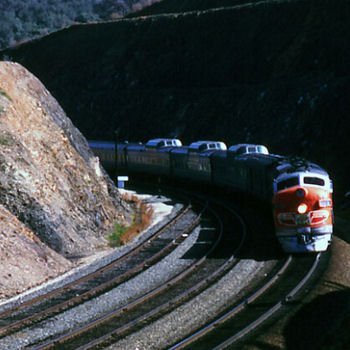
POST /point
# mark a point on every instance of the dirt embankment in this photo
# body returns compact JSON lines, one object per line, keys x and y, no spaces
{"x":55,"y":200}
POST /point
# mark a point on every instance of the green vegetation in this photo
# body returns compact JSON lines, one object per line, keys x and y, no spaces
{"x":6,"y":139}
{"x":140,"y":220}
{"x":115,"y":237}
{"x":4,"y":94}
{"x":22,"y":20}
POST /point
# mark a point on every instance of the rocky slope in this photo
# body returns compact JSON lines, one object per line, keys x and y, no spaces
{"x":55,"y":200}
{"x":25,"y":260}
{"x":272,"y":72}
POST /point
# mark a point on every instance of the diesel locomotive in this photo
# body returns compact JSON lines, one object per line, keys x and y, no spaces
{"x":299,"y":191}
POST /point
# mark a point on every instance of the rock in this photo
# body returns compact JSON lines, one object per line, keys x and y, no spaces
{"x":53,"y":191}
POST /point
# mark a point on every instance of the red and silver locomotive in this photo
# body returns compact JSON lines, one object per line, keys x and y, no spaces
{"x":303,"y":210}
{"x":300,"y":191}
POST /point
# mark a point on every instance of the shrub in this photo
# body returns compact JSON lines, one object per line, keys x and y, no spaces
{"x":4,"y":94}
{"x":115,"y":237}
{"x":6,"y":139}
{"x":141,"y":220}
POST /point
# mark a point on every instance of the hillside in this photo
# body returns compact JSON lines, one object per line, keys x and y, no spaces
{"x":56,"y":202}
{"x":272,"y":72}
{"x":25,"y":19}
{"x":178,"y":6}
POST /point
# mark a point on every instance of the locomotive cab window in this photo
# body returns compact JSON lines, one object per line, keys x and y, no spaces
{"x":287,"y":183}
{"x":308,"y":180}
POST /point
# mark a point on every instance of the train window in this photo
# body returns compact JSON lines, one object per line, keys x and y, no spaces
{"x":292,"y":181}
{"x":262,"y":150}
{"x":313,"y":181}
{"x":251,"y":150}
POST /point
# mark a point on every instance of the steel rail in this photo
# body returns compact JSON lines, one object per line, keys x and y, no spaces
{"x":264,"y":317}
{"x":235,"y":310}
{"x":5,"y":330}
{"x":247,"y":302}
{"x":102,"y":287}
{"x":153,"y":313}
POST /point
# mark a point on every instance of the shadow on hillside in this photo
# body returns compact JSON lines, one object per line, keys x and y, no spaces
{"x":321,"y":324}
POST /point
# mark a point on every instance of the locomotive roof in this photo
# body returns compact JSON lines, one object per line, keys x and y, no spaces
{"x":258,"y":160}
{"x":296,"y":164}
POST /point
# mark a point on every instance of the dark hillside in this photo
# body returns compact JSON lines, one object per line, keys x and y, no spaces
{"x":25,"y":19}
{"x":175,"y":6}
{"x":272,"y":72}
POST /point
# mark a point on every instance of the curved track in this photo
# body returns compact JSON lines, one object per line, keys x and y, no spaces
{"x":215,"y":256}
{"x":205,"y":270}
{"x":136,"y":260}
{"x":278,"y":291}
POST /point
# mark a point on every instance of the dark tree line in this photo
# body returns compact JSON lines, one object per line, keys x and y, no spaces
{"x":22,"y":20}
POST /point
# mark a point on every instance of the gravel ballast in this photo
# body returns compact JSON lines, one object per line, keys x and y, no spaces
{"x":154,"y":276}
{"x":163,"y":213}
{"x":198,"y":311}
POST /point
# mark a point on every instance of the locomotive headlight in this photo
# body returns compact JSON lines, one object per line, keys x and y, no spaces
{"x":302,"y":208}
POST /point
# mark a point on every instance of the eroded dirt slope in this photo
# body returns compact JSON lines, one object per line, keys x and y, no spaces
{"x":55,"y":200}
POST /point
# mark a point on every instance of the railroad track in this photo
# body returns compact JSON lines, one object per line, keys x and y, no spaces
{"x":278,"y":292}
{"x":204,"y":270}
{"x":139,"y":258}
{"x":214,"y":259}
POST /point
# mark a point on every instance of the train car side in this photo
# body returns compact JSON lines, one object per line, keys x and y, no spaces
{"x":141,"y":160}
{"x":299,"y":192}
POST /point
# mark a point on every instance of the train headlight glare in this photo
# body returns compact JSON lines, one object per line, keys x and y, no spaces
{"x":302,"y":208}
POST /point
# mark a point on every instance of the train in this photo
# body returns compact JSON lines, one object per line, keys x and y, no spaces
{"x":299,"y":191}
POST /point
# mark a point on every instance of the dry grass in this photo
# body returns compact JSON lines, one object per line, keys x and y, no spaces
{"x":142,"y":219}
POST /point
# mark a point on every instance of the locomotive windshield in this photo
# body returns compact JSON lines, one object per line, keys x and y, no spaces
{"x":290,"y":182}
{"x":314,"y":181}
{"x":303,"y":180}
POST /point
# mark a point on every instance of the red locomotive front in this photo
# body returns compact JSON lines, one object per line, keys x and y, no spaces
{"x":303,"y":211}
